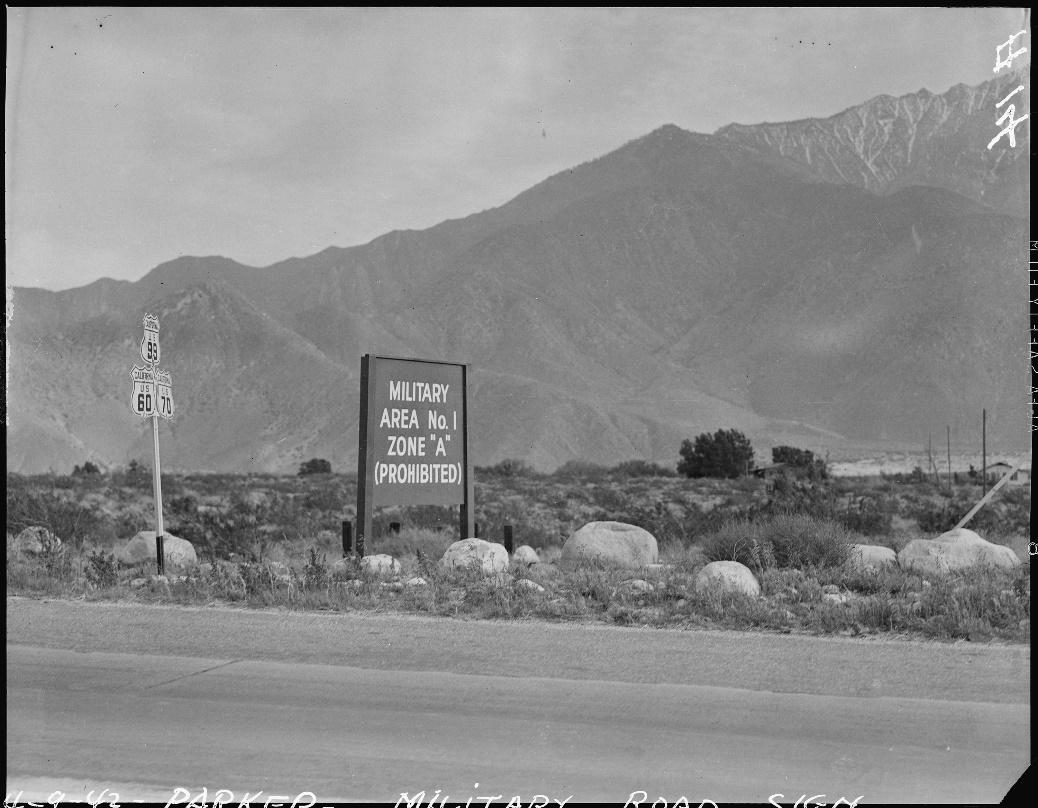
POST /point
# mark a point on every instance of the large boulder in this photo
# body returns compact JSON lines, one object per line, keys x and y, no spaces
{"x":176,"y":552}
{"x":955,"y":550}
{"x":871,"y":557}
{"x":731,"y":576}
{"x":611,"y":544}
{"x":486,"y":556}
{"x":36,"y":541}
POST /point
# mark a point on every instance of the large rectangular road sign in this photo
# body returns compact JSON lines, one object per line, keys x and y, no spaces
{"x":413,"y":436}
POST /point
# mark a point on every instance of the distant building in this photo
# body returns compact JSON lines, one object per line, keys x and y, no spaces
{"x":772,"y":471}
{"x":996,"y":471}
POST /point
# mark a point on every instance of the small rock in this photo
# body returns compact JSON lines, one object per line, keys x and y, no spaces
{"x":34,"y":541}
{"x":526,"y":555}
{"x":416,"y":581}
{"x":731,"y":575}
{"x":636,"y":586}
{"x":835,"y":597}
{"x":392,"y":586}
{"x":830,"y":589}
{"x":137,"y":583}
{"x":871,"y":558}
{"x":380,"y":564}
{"x":476,"y":554}
{"x":256,"y":499}
{"x":532,"y":586}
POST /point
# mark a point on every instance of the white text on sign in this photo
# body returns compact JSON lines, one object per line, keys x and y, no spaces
{"x":415,"y":428}
{"x":418,"y":473}
{"x":418,"y":392}
{"x":142,"y":397}
{"x":150,"y":343}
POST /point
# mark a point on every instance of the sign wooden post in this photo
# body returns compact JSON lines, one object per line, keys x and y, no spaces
{"x":413,"y":439}
{"x":152,"y":397}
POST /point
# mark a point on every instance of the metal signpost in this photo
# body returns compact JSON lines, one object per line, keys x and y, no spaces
{"x":413,"y":447}
{"x":152,"y":397}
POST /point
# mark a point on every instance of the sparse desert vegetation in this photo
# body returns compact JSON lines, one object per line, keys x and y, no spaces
{"x":266,"y":540}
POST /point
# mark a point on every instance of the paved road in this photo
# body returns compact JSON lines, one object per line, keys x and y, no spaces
{"x":144,"y":700}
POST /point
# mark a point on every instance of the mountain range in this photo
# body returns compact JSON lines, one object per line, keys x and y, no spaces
{"x":853,"y":281}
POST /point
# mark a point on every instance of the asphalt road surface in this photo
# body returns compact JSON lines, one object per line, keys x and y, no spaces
{"x":155,"y":703}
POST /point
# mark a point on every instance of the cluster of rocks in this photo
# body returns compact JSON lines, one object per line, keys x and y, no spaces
{"x":621,"y":545}
{"x":601,"y":544}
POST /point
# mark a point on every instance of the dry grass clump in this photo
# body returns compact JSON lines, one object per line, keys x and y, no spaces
{"x":783,"y":540}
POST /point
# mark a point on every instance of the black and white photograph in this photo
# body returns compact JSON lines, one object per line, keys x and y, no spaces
{"x":518,"y":407}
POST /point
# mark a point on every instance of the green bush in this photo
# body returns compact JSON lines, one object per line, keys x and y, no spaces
{"x":803,"y":460}
{"x":315,"y":465}
{"x":315,"y":572}
{"x":800,"y":540}
{"x":726,"y":453}
{"x":732,"y":541}
{"x":101,"y":570}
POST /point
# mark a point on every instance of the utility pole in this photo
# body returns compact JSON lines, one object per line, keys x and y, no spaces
{"x":984,"y":450}
{"x":948,"y":427}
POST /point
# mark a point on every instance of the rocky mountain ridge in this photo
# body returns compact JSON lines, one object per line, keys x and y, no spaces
{"x":682,"y":283}
{"x":921,"y":138}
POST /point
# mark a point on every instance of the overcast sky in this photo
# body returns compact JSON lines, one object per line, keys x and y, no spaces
{"x":134,"y":136}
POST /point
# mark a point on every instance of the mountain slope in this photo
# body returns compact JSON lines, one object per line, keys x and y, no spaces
{"x":758,"y":279}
